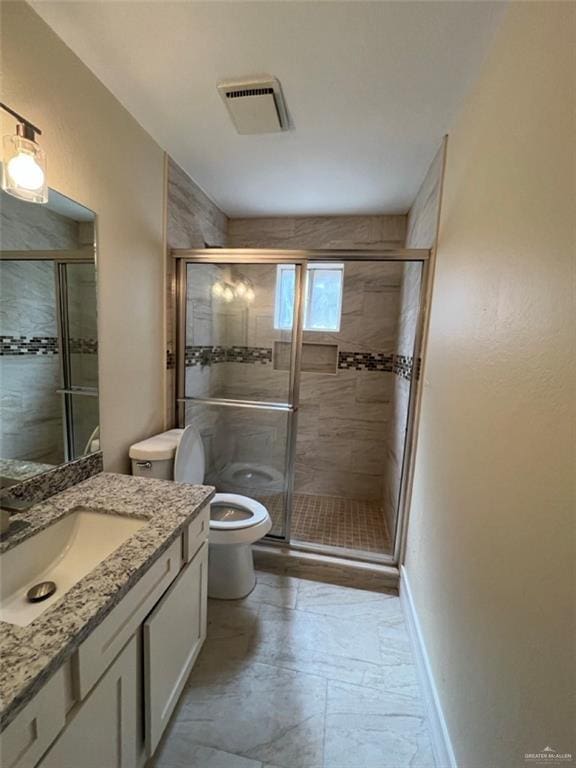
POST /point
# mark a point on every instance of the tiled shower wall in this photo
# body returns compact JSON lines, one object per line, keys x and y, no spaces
{"x":421,"y":233}
{"x":31,"y":410}
{"x":318,"y":232}
{"x":193,"y":221}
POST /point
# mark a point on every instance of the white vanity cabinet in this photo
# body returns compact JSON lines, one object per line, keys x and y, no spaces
{"x":103,"y":730}
{"x":173,"y":635}
{"x":109,"y":706}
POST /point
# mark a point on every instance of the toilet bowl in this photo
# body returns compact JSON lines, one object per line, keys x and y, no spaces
{"x":236,"y":521}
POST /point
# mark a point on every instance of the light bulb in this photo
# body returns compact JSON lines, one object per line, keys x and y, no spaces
{"x":24,"y":167}
{"x":228,"y":294}
{"x":217,"y":290}
{"x":26,"y":172}
{"x":250,"y":295}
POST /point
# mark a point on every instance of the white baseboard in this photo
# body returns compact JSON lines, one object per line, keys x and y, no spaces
{"x":441,"y":743}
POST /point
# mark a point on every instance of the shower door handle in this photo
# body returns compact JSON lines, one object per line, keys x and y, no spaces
{"x":86,"y":391}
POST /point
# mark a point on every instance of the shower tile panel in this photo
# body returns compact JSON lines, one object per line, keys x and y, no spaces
{"x":338,"y":482}
{"x":318,"y":232}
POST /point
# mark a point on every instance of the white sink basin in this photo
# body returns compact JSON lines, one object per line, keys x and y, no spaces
{"x":64,"y":553}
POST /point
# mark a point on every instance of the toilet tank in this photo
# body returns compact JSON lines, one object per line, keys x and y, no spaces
{"x":154,"y":457}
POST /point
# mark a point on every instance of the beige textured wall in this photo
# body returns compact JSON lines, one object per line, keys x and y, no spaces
{"x":100,"y":156}
{"x":490,"y":553}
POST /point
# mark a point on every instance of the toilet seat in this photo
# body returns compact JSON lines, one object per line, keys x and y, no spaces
{"x":228,"y":532}
{"x":258,"y":512}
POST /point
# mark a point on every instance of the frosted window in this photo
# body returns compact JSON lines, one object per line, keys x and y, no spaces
{"x":284,"y":310}
{"x":322,"y":300}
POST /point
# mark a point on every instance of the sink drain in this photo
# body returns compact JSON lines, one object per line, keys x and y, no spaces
{"x":41,"y":591}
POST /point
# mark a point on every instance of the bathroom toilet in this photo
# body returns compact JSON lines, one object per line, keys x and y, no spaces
{"x":236,"y":522}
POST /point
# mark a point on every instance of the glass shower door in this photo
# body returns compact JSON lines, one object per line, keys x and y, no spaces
{"x":237,"y":377}
{"x":77,"y":289}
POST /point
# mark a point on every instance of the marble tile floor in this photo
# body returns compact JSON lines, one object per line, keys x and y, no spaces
{"x":356,"y":524}
{"x":301,"y":674}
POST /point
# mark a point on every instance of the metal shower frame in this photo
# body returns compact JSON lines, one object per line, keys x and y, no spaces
{"x":300,"y":259}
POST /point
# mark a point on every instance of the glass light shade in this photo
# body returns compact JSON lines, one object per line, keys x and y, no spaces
{"x":250,"y":295}
{"x":241,"y":289}
{"x":228,"y":294}
{"x":24,"y":170}
{"x":217,"y":290}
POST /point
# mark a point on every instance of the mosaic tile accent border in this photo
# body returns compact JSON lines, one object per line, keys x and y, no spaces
{"x":84,"y":346}
{"x":28,"y":345}
{"x":249,"y":355}
{"x":209,"y":355}
{"x":44,"y":345}
{"x":54,"y":481}
{"x":365,"y":361}
{"x":404,"y":367}
{"x":400,"y":365}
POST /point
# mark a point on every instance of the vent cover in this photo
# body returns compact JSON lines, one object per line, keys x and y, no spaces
{"x":255,"y":104}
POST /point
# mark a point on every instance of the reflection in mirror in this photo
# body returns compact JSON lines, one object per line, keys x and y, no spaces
{"x":48,"y":336}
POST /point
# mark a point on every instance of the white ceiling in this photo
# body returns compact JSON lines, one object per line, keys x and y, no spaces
{"x":371,"y":88}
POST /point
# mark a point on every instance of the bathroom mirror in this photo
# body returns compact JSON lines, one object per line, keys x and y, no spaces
{"x":48,"y":336}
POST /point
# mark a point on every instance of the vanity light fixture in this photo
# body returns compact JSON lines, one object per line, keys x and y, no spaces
{"x":24,"y":162}
{"x":243,"y":289}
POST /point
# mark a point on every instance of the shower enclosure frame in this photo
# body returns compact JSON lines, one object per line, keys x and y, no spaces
{"x":300,"y":259}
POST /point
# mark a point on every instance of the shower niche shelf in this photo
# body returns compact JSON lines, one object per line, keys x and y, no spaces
{"x":315,"y":358}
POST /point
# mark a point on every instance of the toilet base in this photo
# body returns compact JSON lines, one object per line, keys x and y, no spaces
{"x":230,"y":571}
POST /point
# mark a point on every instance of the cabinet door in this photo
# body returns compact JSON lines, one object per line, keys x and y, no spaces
{"x":104,"y":730}
{"x":173,"y":635}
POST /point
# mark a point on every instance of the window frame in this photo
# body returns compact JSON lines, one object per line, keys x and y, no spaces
{"x":308,"y":289}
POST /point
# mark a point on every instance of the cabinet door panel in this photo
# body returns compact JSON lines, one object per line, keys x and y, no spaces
{"x":173,"y":635}
{"x":36,"y":727}
{"x":102,"y":646}
{"x":104,"y":730}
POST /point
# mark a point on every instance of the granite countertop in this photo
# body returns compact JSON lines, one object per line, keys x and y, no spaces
{"x":30,"y":655}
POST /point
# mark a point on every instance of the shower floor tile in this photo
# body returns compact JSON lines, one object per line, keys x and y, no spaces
{"x":335,"y":522}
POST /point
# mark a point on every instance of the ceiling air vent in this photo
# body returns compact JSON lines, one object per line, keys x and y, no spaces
{"x":255,"y":105}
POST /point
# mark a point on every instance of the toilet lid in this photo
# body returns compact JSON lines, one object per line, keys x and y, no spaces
{"x":230,"y":511}
{"x":189,"y":460}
